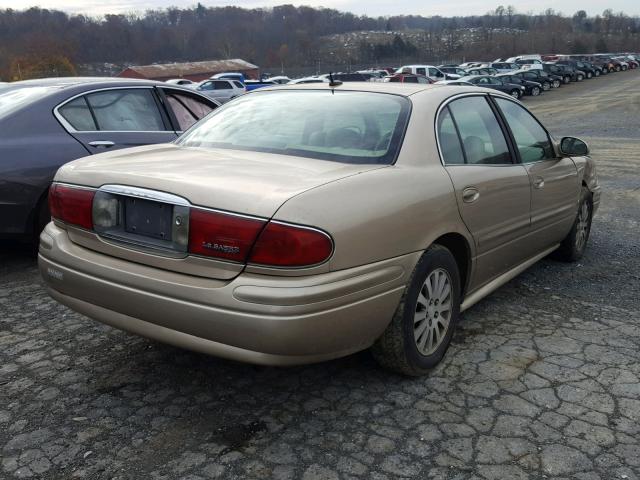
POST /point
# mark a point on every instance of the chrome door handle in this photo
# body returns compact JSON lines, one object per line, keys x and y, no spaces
{"x":102,"y":143}
{"x":538,"y":183}
{"x":470,"y":194}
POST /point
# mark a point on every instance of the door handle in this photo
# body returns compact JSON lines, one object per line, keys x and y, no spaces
{"x":102,"y":143}
{"x":538,"y":183}
{"x":470,"y":194}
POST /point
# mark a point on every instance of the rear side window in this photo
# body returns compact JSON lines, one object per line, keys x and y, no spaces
{"x":482,"y":138}
{"x":124,"y":110}
{"x":531,"y":139}
{"x":449,"y":141}
{"x":410,"y":79}
{"x":187,"y":110}
{"x":421,"y":71}
{"x":238,"y":84}
{"x":222,"y":85}
{"x":78,"y":115}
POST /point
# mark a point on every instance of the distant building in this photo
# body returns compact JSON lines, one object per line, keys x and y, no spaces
{"x":196,"y":71}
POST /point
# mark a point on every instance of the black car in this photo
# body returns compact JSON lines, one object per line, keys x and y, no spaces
{"x":589,"y":72}
{"x":559,"y":70}
{"x":576,"y":75}
{"x":488,"y":81}
{"x":482,"y":71}
{"x":547,"y":80}
{"x":47,"y":123}
{"x":530,"y":88}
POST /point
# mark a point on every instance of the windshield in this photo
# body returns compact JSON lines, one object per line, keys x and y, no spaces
{"x":341,"y":126}
{"x":13,"y":97}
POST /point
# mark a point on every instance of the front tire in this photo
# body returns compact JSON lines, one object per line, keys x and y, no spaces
{"x":535,"y":91}
{"x":556,"y":84}
{"x":421,"y":329}
{"x":580,"y":78}
{"x":546,"y":86}
{"x":574,"y":244}
{"x":515,"y":93}
{"x":589,"y":75}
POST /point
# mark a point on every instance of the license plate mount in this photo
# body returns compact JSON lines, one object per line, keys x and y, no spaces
{"x":148,"y":218}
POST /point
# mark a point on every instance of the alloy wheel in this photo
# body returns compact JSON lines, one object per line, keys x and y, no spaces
{"x":556,"y":83}
{"x":433,"y":311}
{"x":546,"y":86}
{"x":535,"y":91}
{"x":515,"y":94}
{"x":582,"y":228}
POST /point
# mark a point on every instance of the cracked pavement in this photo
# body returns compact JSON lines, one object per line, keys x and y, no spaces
{"x":541,"y":380}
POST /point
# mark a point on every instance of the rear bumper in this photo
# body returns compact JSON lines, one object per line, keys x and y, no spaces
{"x":259,"y":319}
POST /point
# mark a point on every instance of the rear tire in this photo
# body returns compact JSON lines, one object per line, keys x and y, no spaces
{"x":556,"y":84}
{"x":421,"y":329}
{"x":535,"y":91}
{"x":597,"y":74}
{"x":515,"y":94}
{"x":580,"y":78}
{"x":574,"y":244}
{"x":589,"y":75}
{"x":546,"y":86}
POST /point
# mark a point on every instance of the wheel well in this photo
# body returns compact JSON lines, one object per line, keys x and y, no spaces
{"x":459,"y":247}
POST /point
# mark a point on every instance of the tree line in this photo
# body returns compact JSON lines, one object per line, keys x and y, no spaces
{"x":40,"y":39}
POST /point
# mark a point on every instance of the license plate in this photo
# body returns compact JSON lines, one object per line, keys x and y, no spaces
{"x":148,"y":218}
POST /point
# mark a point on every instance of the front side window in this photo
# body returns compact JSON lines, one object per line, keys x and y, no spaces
{"x":124,"y":110}
{"x":421,"y":71}
{"x":482,"y":138}
{"x":531,"y":139}
{"x":341,"y":126}
{"x":206,"y":86}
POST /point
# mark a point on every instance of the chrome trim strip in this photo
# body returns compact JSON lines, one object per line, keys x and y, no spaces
{"x":145,"y":193}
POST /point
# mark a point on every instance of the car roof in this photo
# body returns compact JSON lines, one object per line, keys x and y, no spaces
{"x":72,"y":81}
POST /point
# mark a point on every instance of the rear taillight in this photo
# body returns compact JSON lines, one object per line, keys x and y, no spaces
{"x":72,"y":205}
{"x":285,"y":245}
{"x":221,"y":235}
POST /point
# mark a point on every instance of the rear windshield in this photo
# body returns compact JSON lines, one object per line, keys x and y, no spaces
{"x":12,"y":98}
{"x":340,"y":126}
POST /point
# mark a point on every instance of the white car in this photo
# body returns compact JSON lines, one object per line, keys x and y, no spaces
{"x":280,"y":79}
{"x":221,"y":89}
{"x":434,"y":73}
{"x":298,"y":81}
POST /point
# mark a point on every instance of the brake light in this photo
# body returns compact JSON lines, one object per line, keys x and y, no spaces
{"x":72,"y":205}
{"x":221,"y":235}
{"x":284,"y":245}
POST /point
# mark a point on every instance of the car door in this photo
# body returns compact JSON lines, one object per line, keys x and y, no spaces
{"x":113,"y":118}
{"x":555,"y":188}
{"x":492,"y":191}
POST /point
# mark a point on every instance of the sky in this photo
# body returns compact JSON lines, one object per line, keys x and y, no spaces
{"x":362,"y":7}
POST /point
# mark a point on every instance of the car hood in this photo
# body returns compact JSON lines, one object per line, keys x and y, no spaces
{"x":238,"y":181}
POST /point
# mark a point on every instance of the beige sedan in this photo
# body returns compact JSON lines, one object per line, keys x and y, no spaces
{"x":300,"y":224}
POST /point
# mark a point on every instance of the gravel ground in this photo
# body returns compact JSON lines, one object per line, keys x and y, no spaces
{"x":541,"y":381}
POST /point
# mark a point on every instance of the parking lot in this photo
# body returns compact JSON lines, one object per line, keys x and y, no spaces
{"x":541,"y":380}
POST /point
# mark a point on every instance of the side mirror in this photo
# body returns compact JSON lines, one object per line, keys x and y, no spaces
{"x":571,"y":146}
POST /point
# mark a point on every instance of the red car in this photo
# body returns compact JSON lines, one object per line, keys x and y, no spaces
{"x":408,"y":78}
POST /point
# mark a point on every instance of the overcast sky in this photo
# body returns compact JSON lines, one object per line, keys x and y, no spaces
{"x":368,"y":7}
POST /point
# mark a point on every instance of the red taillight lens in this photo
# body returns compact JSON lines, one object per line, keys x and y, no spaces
{"x":71,"y":205}
{"x":283,"y":245}
{"x":220,"y":235}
